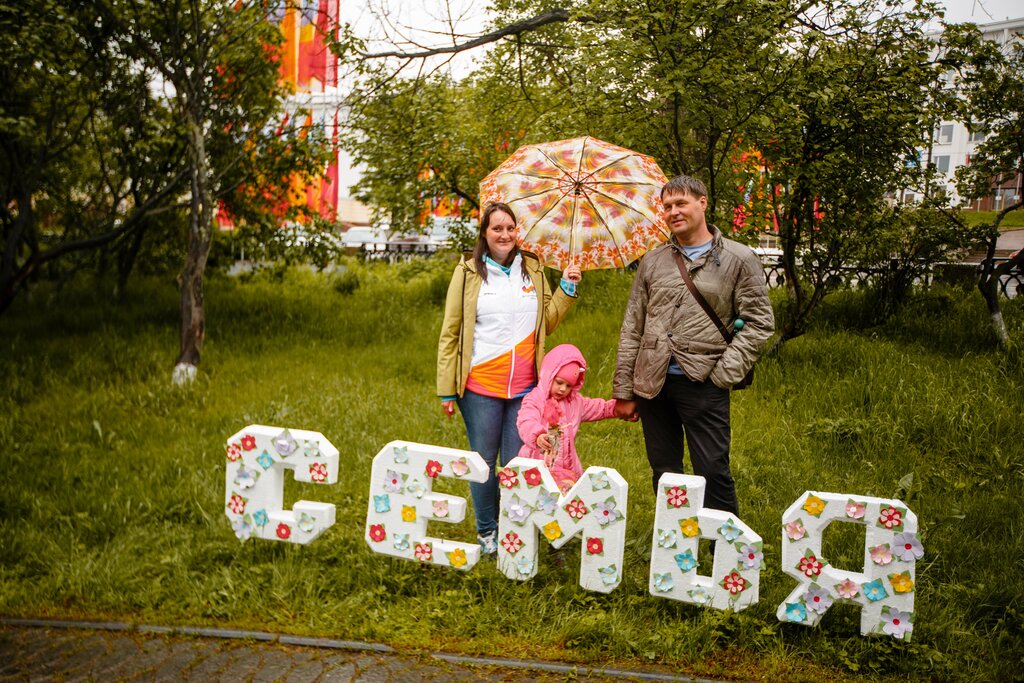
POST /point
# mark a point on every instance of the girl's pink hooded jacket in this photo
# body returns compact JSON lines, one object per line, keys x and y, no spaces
{"x":578,"y":409}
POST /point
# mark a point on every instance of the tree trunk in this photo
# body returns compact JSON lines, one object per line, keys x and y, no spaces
{"x":200,"y":235}
{"x":988,"y":285}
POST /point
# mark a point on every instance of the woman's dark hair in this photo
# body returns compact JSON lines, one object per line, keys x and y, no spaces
{"x":480,"y":248}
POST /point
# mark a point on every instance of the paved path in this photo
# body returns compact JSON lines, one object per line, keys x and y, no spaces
{"x":37,"y":653}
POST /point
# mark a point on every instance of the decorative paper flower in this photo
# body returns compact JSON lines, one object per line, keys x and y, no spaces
{"x":284,"y":531}
{"x":901,"y":582}
{"x":408,"y":513}
{"x":895,"y":622}
{"x":599,"y":480}
{"x":382,"y":504}
{"x":265,"y":460}
{"x":246,"y":477}
{"x":796,"y":612}
{"x":517,"y":509}
{"x":552,"y":530}
{"x":424,"y":552}
{"x":847,"y":589}
{"x":595,"y":546}
{"x":234,"y":452}
{"x":512,"y":543}
{"x":734,"y":583}
{"x":730,"y":531}
{"x":284,"y":444}
{"x":306,"y":522}
{"x":415,"y":488}
{"x":401,"y":454}
{"x":248,"y":442}
{"x":433,"y":469}
{"x":242,"y":527}
{"x":508,"y":478}
{"x":377,"y":533}
{"x":689,"y":527}
{"x":609,"y":575}
{"x":874,"y":590}
{"x":676,"y":496}
{"x":311,"y":449}
{"x":237,"y":504}
{"x":795,"y":530}
{"x":814,"y":505}
{"x":606,"y":512}
{"x":890,"y":518}
{"x":855,"y":509}
{"x":401,"y":541}
{"x":906,"y":547}
{"x":457,"y":558}
{"x":699,"y":596}
{"x":547,"y":502}
{"x":440,"y":508}
{"x":393,"y":482}
{"x":809,"y":565}
{"x":576,"y":508}
{"x":667,"y":538}
{"x":663,"y":583}
{"x":817,"y":599}
{"x":318,"y":472}
{"x":532,"y":477}
{"x":880,"y":554}
{"x":686,"y":561}
{"x":524,"y":565}
{"x":751,"y":556}
{"x":460,"y":467}
{"x":260,"y":517}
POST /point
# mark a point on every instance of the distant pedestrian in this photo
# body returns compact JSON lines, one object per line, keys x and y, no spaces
{"x":498,"y":311}
{"x":552,"y":413}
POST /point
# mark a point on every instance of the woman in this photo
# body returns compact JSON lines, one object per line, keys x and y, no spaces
{"x":498,"y":311}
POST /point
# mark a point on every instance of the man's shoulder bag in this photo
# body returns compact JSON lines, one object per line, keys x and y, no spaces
{"x":748,"y":379}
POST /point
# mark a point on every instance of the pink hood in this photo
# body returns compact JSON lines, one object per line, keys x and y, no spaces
{"x":555,"y":360}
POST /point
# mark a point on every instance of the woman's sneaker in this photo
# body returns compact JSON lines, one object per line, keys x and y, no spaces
{"x":488,"y":543}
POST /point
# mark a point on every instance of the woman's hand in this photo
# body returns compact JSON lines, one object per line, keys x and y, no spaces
{"x":448,"y":407}
{"x":573,"y":273}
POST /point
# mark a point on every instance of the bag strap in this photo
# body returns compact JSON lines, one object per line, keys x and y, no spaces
{"x":699,"y":298}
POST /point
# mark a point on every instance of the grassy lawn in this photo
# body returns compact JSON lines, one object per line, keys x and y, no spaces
{"x":112,"y":505}
{"x":1013,"y":220}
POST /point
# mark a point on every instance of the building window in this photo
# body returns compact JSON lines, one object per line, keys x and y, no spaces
{"x":977,"y":136}
{"x":944,"y":135}
{"x":942,"y":163}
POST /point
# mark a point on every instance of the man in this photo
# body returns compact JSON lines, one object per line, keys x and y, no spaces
{"x":674,"y":367}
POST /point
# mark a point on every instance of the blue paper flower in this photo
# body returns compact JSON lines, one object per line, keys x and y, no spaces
{"x":686,"y":561}
{"x":599,"y":480}
{"x":666,"y":538}
{"x":311,"y":449}
{"x":306,"y":522}
{"x":874,"y":590}
{"x":524,"y":565}
{"x":699,"y":596}
{"x":795,"y":611}
{"x":609,"y":574}
{"x":401,"y":541}
{"x":416,"y":488}
{"x":547,"y":503}
{"x":730,"y":531}
{"x":285,"y":444}
{"x":663,"y":582}
{"x":260,"y":517}
{"x":265,"y":460}
{"x":401,"y":453}
{"x":382,"y":503}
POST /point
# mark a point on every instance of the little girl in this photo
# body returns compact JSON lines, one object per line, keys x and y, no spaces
{"x":552,"y":412}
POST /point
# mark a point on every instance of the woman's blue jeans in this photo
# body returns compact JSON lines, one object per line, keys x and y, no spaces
{"x":491,"y":428}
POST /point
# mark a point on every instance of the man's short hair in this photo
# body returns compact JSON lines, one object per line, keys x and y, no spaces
{"x":684,"y":184}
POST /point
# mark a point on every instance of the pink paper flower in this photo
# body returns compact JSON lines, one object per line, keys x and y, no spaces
{"x":890,"y":518}
{"x":855,"y":509}
{"x":677,"y":496}
{"x":512,"y":543}
{"x":377,"y":533}
{"x":424,"y":552}
{"x":795,"y":530}
{"x":248,"y":442}
{"x":576,"y":508}
{"x":318,"y":472}
{"x":460,"y":467}
{"x":440,"y":508}
{"x":507,"y":478}
{"x":881,"y":554}
{"x":234,"y":452}
{"x":847,"y":589}
{"x":433,"y":468}
{"x":236,"y":504}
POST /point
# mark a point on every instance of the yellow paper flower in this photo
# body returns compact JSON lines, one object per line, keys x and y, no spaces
{"x":814,"y":505}
{"x":457,"y":557}
{"x":901,"y":583}
{"x":408,"y":513}
{"x":689,"y":527}
{"x":552,"y":531}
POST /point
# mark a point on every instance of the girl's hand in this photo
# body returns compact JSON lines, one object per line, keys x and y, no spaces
{"x":544,"y":443}
{"x":549,"y":459}
{"x":573,"y":273}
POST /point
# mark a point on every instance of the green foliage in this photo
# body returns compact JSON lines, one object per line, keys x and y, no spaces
{"x":112,"y":503}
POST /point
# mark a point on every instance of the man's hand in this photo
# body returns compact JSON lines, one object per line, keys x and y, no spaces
{"x":448,"y":407}
{"x":626,"y":410}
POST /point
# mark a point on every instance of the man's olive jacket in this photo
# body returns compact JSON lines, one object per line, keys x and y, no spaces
{"x":663,"y":320}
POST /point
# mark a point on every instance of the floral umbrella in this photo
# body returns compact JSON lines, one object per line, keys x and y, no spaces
{"x":581,"y":200}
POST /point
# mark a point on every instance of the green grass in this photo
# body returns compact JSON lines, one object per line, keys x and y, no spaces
{"x":112,"y":501}
{"x":1013,"y":220}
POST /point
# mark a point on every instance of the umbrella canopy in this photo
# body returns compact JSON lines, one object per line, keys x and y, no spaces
{"x":581,"y":200}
